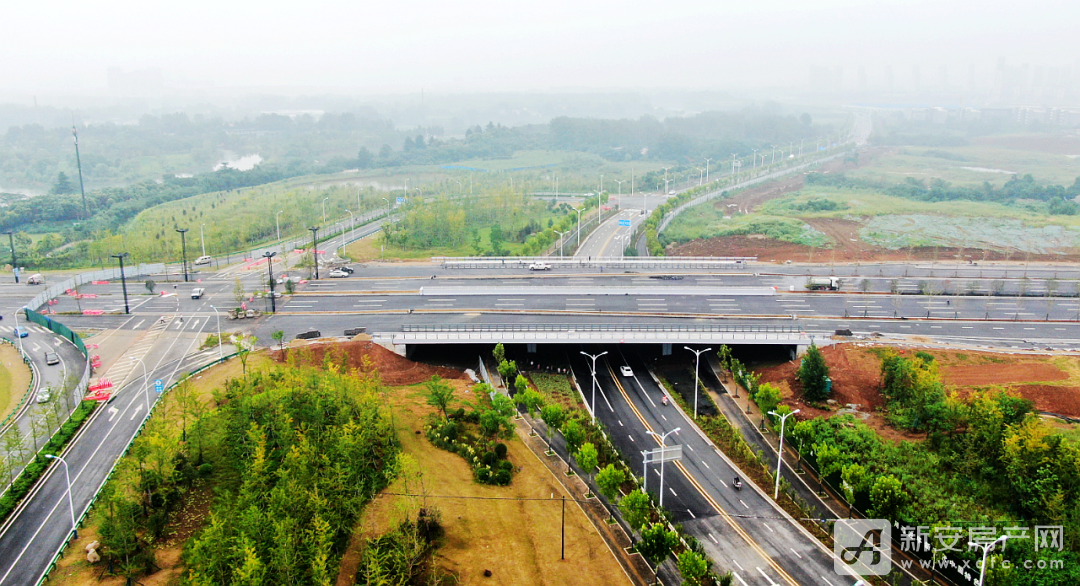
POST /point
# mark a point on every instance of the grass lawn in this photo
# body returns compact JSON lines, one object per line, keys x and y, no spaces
{"x":14,"y":379}
{"x":519,"y":541}
{"x":972,"y":165}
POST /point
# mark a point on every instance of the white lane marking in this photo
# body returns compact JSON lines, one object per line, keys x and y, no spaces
{"x":512,"y":299}
{"x":193,"y":324}
{"x":299,"y":305}
{"x":692,"y":515}
{"x":112,"y":412}
{"x":620,"y":423}
{"x":741,"y":581}
{"x":673,"y":492}
{"x":744,"y":504}
{"x":713,"y":538}
{"x":769,"y":528}
{"x":738,"y":564}
{"x":136,"y":410}
{"x":707,"y":466}
{"x":827,"y":581}
{"x":766,"y":576}
{"x":795,"y":552}
{"x":690,"y":447}
{"x":630,"y":436}
{"x":138,"y":324}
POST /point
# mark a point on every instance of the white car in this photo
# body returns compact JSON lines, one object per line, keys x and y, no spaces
{"x":338,"y":274}
{"x":203,"y":260}
{"x":539,"y":266}
{"x":44,"y":395}
{"x":626,"y":371}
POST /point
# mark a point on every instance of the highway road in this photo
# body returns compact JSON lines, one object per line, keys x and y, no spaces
{"x":741,"y":530}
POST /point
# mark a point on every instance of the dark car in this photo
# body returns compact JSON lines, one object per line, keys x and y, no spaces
{"x":52,"y":358}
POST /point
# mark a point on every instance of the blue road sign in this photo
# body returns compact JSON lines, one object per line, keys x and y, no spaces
{"x":401,"y":200}
{"x":624,"y":223}
{"x":159,"y":386}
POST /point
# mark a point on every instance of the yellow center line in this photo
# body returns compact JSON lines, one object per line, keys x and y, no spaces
{"x":738,"y":529}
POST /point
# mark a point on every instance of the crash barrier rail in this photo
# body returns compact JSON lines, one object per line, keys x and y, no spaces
{"x":90,"y":506}
{"x":629,"y":262}
{"x":56,"y":328}
{"x":493,"y":327}
{"x":668,"y":217}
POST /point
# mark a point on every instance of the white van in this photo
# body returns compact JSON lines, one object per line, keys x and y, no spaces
{"x":197,"y":292}
{"x":203,"y":260}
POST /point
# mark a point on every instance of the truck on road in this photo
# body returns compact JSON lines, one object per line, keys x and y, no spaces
{"x":823,"y":284}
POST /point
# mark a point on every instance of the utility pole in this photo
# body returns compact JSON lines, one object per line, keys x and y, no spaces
{"x":14,"y":267}
{"x":78,"y":161}
{"x":123,"y":282}
{"x":270,"y":267}
{"x":183,"y":250}
{"x":315,"y":249}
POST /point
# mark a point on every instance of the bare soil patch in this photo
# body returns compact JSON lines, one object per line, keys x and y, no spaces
{"x":1052,"y":382}
{"x":14,"y":379}
{"x":393,"y":369}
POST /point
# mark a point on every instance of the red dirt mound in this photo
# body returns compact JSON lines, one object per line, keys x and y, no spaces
{"x":1060,"y":400}
{"x":1000,"y":374}
{"x":393,"y":369}
{"x":855,"y":377}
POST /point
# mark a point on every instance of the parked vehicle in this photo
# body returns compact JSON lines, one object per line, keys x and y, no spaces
{"x":204,"y":260}
{"x":338,"y":274}
{"x":823,"y":284}
{"x":197,"y":292}
{"x":52,"y":358}
{"x":539,"y":266}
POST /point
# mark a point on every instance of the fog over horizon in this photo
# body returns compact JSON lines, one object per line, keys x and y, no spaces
{"x":66,"y":52}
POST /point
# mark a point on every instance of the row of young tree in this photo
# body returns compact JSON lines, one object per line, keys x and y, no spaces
{"x":293,"y":453}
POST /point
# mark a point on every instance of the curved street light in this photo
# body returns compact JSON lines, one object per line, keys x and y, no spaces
{"x":663,"y":440}
{"x":780,"y":452}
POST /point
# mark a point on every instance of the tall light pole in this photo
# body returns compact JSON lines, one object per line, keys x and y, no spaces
{"x":601,"y":182}
{"x":71,"y":506}
{"x":78,"y":161}
{"x":561,"y":240}
{"x":183,"y":250}
{"x":14,"y":267}
{"x":578,"y":226}
{"x":663,"y":439}
{"x":697,"y":366}
{"x":620,"y":182}
{"x":986,"y":547}
{"x":352,"y":225}
{"x":269,"y":254}
{"x":217,"y":316}
{"x":780,"y":452}
{"x":665,"y":179}
{"x":593,"y":380}
{"x":707,"y":169}
{"x":387,"y":207}
{"x":701,"y":175}
{"x":277,"y":222}
{"x":315,"y":249}
{"x":123,"y":281}
{"x":324,"y":209}
{"x":755,"y":157}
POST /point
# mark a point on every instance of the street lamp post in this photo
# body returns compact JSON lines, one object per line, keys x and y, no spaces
{"x":352,"y":225}
{"x":71,"y":506}
{"x":324,"y":209}
{"x":277,"y":222}
{"x":665,"y":179}
{"x":183,"y":250}
{"x":217,"y":316}
{"x":14,"y":267}
{"x":697,"y":365}
{"x":780,"y":452}
{"x":561,"y":234}
{"x":707,"y":169}
{"x":663,"y":439}
{"x":755,"y":157}
{"x":202,"y":239}
{"x":387,"y":207}
{"x":593,"y":380}
{"x":269,"y":254}
{"x":620,"y":182}
{"x":315,"y":249}
{"x":123,"y":281}
{"x":986,"y":547}
{"x":578,"y":226}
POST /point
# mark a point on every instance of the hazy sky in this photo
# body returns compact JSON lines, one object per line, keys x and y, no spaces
{"x":51,"y":46}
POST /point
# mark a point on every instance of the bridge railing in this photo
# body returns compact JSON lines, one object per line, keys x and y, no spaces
{"x":630,"y":262}
{"x":552,"y":327}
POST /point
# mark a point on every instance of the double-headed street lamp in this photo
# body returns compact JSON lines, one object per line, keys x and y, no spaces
{"x":123,"y":281}
{"x":780,"y":452}
{"x":269,"y":254}
{"x":183,"y":250}
{"x":71,"y":506}
{"x":663,"y":439}
{"x":561,"y":234}
{"x":986,"y":547}
{"x":697,"y":365}
{"x":593,"y":380}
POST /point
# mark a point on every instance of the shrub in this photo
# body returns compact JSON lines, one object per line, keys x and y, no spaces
{"x":500,"y":450}
{"x":501,"y":478}
{"x":483,"y":475}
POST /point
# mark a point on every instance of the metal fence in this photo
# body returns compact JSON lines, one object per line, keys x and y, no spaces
{"x":617,"y":262}
{"x":493,"y":327}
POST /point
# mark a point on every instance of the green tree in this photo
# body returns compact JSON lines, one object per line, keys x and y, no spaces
{"x":887,"y":497}
{"x":278,"y":337}
{"x":855,"y":481}
{"x":491,"y":421}
{"x":554,"y":416}
{"x":499,"y":353}
{"x":828,"y":458}
{"x":238,"y":292}
{"x":813,"y":374}
{"x":656,"y":543}
{"x":573,"y":434}
{"x":635,"y":509}
{"x":244,"y":346}
{"x":507,"y":370}
{"x":767,"y":397}
{"x":608,"y":480}
{"x":530,"y":399}
{"x":502,"y":404}
{"x":62,"y":185}
{"x":724,"y":354}
{"x":521,"y":383}
{"x":693,"y":567}
{"x":587,"y":457}
{"x":439,"y":394}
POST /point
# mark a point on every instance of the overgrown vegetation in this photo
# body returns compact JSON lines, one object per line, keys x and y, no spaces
{"x":474,"y":435}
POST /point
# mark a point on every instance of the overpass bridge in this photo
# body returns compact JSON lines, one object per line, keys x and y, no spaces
{"x":593,"y":333}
